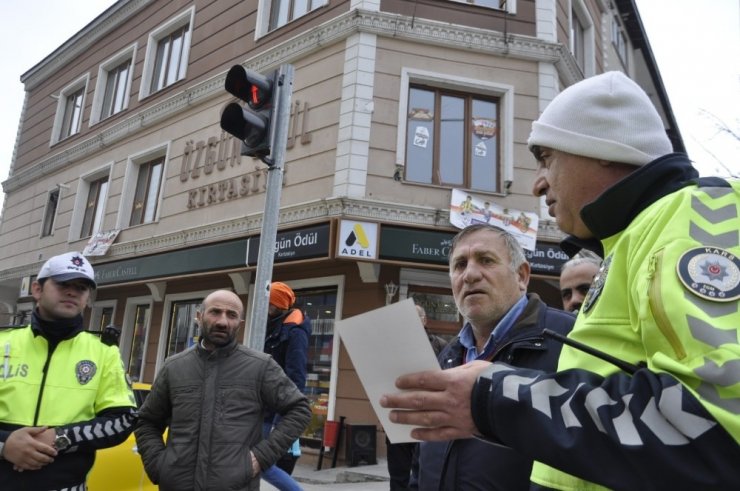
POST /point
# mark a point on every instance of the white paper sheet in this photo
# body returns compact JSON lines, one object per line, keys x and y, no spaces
{"x":384,"y":344}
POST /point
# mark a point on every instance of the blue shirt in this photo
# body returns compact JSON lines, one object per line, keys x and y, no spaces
{"x":467,"y":339}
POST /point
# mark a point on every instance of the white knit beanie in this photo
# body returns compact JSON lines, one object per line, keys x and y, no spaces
{"x":607,"y":117}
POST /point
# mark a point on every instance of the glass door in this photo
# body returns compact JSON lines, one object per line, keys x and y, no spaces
{"x":138,"y":342}
{"x":183,"y":330}
{"x":319,"y":305}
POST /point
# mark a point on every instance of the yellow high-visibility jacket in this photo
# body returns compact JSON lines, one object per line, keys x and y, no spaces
{"x":666,"y":302}
{"x":77,"y":384}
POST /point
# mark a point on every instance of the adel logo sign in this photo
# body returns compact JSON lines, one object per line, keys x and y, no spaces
{"x":358,"y":240}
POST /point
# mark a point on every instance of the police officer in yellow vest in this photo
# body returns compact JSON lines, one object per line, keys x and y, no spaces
{"x":63,"y":392}
{"x":647,"y":391}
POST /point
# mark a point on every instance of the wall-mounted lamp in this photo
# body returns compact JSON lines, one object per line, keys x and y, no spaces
{"x":390,"y":291}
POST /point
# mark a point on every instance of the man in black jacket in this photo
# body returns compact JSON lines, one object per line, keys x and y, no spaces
{"x":489,"y":275}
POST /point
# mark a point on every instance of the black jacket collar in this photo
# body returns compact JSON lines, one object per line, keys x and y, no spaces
{"x":55,"y":331}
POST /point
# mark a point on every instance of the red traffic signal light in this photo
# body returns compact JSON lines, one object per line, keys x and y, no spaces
{"x":253,"y":88}
{"x":251,"y":124}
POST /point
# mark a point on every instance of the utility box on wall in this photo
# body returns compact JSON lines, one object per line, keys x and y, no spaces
{"x":360,"y":445}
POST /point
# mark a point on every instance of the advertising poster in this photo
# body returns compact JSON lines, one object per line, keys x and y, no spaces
{"x":467,"y":209}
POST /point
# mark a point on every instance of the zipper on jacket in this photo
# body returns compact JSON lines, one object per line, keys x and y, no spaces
{"x":43,"y":382}
{"x":655,"y":296}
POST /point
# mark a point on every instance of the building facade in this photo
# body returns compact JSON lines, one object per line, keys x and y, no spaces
{"x":396,"y":104}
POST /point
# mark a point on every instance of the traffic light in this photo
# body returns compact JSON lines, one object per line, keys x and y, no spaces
{"x":251,"y":124}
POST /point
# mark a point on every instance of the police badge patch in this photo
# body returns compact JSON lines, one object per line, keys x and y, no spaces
{"x":710,"y":273}
{"x":85,"y":371}
{"x":596,"y":285}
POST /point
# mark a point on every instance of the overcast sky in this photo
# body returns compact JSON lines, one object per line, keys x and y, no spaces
{"x":696,"y":45}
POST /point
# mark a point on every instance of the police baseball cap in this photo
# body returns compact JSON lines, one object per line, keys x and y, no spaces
{"x":66,"y":267}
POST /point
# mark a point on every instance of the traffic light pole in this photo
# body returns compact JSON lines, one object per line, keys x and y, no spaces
{"x":261,"y":299}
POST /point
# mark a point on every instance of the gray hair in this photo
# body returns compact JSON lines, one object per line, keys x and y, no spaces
{"x":584,"y":256}
{"x":516,"y":253}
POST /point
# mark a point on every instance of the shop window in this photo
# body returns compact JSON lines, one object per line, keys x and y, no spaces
{"x":50,"y":213}
{"x":452,"y":139}
{"x":21,"y":318}
{"x":442,"y":316}
{"x":106,"y":318}
{"x":168,"y":50}
{"x":136,"y":348}
{"x":102,"y":315}
{"x":319,"y":305}
{"x":182,"y":328}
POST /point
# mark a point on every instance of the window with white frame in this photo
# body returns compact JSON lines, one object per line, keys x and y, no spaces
{"x":142,"y":187}
{"x":146,"y":194}
{"x":619,"y":40}
{"x":113,"y":86}
{"x":452,"y":139}
{"x":94,"y":207}
{"x":90,"y":199}
{"x":168,"y":50}
{"x":577,"y":40}
{"x":582,"y":41}
{"x":50,"y":213}
{"x":274,"y":14}
{"x":455,"y":131}
{"x":70,"y":106}
{"x":506,"y":5}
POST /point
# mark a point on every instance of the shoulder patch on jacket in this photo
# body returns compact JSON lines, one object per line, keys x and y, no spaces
{"x":596,"y":285}
{"x":710,"y":273}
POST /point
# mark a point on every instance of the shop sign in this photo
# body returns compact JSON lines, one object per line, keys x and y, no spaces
{"x":415,"y":245}
{"x":292,"y":245}
{"x":210,"y":257}
{"x":357,"y":240}
{"x":304,"y":243}
{"x":546,"y":258}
